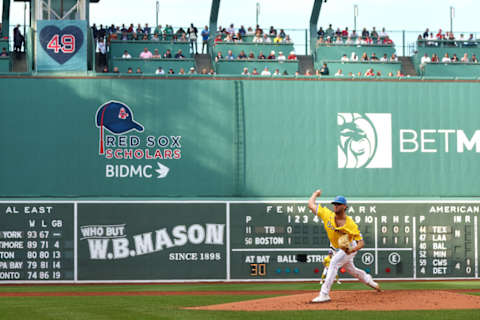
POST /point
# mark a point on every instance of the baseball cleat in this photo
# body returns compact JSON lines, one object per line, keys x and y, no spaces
{"x":321,"y":298}
{"x":338,"y":282}
{"x":376,"y":286}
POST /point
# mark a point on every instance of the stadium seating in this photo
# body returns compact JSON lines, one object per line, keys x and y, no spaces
{"x":354,"y":67}
{"x":150,"y":65}
{"x":248,"y":47}
{"x":117,"y":47}
{"x":441,"y":50}
{"x":336,"y":51}
{"x":235,"y":67}
{"x":452,"y":70}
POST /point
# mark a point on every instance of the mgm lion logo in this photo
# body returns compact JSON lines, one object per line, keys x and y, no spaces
{"x":364,"y":140}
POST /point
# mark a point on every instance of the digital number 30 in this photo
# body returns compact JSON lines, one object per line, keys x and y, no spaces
{"x":66,"y":43}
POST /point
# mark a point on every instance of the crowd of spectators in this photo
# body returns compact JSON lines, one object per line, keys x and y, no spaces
{"x":373,"y":58}
{"x":159,"y":33}
{"x":345,"y":37}
{"x":447,"y":59}
{"x":441,"y":38}
{"x":370,"y":72}
{"x":257,"y":35}
{"x":147,"y":54}
{"x":251,"y":56}
{"x":161,"y":71}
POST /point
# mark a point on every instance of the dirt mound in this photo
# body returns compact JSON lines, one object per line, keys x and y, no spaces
{"x":359,"y":300}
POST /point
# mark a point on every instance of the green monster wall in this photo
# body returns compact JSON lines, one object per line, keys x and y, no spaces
{"x":249,"y":138}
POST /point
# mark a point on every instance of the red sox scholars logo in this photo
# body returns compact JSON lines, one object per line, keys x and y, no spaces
{"x":120,"y":144}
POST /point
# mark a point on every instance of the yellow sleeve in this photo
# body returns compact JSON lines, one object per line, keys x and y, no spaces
{"x":323,"y":212}
{"x":351,"y":229}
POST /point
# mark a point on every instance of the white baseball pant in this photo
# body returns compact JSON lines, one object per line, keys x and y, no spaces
{"x":341,"y":259}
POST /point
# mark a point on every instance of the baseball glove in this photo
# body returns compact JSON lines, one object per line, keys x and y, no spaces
{"x":344,"y":243}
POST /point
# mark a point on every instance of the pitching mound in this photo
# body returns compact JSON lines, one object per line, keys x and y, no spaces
{"x":359,"y":300}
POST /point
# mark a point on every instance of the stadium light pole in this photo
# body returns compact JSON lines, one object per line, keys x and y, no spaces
{"x":452,"y":15}
{"x":157,"y":10}
{"x":355,"y":15}
{"x":257,"y":12}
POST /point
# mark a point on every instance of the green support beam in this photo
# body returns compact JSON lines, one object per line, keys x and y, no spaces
{"x":213,"y":21}
{"x":6,"y":18}
{"x":317,"y":6}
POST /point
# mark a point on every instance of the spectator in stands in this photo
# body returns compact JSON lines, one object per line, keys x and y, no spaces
{"x":446,"y":58}
{"x":373,"y":57}
{"x":251,"y":56}
{"x":160,"y":71}
{"x":383,"y":33}
{"x":390,"y":74}
{"x":281,"y":56}
{"x":230,"y":55}
{"x":365,"y":33}
{"x":115,"y":70}
{"x":254,"y":72}
{"x":242,"y":55}
{"x":158,"y":30}
{"x":384,"y":58}
{"x":238,"y":38}
{"x":130,"y":70}
{"x":167,"y":54}
{"x":105,"y":69}
{"x":379,"y":74}
{"x":399,"y":74}
{"x":353,"y":57}
{"x":271,"y":56}
{"x":287,"y":39}
{"x":261,"y":56}
{"x":374,"y":34}
{"x":156,"y":55}
{"x":146,"y":54}
{"x":324,"y":70}
{"x":272,"y":32}
{"x":454,"y":58}
{"x":183,"y":38}
{"x":102,"y":32}
{"x":266,"y":72}
{"x":393,"y":58}
{"x":266,"y":39}
{"x":282,"y":34}
{"x":139,"y":71}
{"x":425,"y":59}
{"x":218,"y":39}
{"x":139,"y":29}
{"x":426,"y":33}
{"x":182,"y":71}
{"x":292,"y":56}
{"x":94,"y":31}
{"x":277,"y":73}
{"x":345,"y":33}
{"x":192,"y":36}
{"x":474,"y":58}
{"x":204,"y":71}
{"x":344,"y":58}
{"x":354,"y":35}
{"x":4,"y":52}
{"x":170,"y":71}
{"x":258,"y":38}
{"x":219,"y":56}
{"x":155,"y":37}
{"x":245,"y":72}
{"x":339,"y":73}
{"x":179,"y":54}
{"x":339,"y":40}
{"x":205,"y":35}
{"x":192,"y":70}
{"x":211,"y":72}
{"x":465,"y":58}
{"x":126,"y":55}
{"x":242,"y":31}
{"x":435,"y":58}
{"x":440,"y":35}
{"x":250,"y":31}
{"x":277,"y":39}
{"x":329,"y":32}
{"x":228,"y":38}
{"x":387,"y":41}
{"x":180,"y":32}
{"x":102,"y":50}
{"x":145,"y":37}
{"x":369,"y":73}
{"x":231,"y":30}
{"x":168,"y":31}
{"x":308,"y":72}
{"x":134,"y":36}
{"x":349,"y":40}
{"x":364,"y":57}
{"x":320,"y":33}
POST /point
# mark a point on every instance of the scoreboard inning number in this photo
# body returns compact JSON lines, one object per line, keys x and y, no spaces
{"x":66,"y":44}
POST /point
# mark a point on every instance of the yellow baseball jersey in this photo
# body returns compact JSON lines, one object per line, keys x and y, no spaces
{"x":326,"y":261}
{"x":334,"y":232}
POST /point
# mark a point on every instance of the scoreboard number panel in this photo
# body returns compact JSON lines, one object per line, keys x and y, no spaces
{"x":404,"y":240}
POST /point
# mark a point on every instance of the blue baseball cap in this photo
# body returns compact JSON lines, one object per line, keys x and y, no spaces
{"x":117,"y":117}
{"x":340,"y":200}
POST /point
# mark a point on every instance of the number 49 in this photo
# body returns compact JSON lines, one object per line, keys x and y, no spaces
{"x":66,"y":44}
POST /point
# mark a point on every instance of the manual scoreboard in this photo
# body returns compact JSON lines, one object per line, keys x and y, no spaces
{"x":76,"y":241}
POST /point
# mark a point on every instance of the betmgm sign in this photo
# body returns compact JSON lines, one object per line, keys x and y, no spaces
{"x":61,"y":45}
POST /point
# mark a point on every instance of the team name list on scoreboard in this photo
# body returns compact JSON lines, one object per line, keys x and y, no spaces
{"x":36,"y":241}
{"x":402,"y":240}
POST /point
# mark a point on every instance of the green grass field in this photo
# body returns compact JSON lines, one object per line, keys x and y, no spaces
{"x":171,"y":307}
